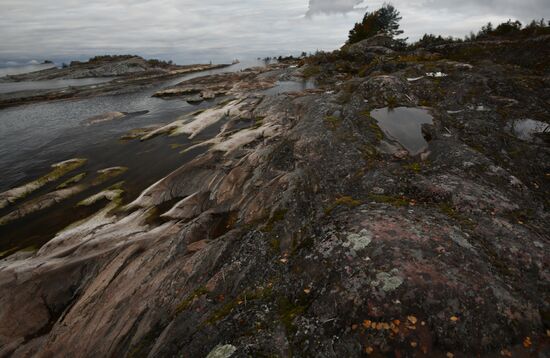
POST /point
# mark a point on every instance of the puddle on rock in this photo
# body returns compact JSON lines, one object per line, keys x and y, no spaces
{"x":404,"y":124}
{"x":526,"y":129}
{"x":290,"y":86}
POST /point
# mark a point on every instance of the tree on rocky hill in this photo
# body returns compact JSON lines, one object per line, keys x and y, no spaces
{"x":384,"y":20}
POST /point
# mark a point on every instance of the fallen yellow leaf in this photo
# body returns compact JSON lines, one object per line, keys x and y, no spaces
{"x":369,"y":350}
{"x":307,"y":290}
{"x":454,"y":318}
{"x":450,"y":355}
{"x":414,"y":344}
{"x":527,"y":342}
{"x":412,"y":319}
{"x":366,"y":323}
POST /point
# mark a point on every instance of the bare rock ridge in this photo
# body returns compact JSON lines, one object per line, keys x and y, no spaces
{"x":312,"y":232}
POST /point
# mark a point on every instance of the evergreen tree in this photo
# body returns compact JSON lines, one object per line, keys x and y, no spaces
{"x":384,"y":20}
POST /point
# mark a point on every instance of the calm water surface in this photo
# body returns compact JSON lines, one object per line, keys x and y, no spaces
{"x":35,"y":136}
{"x":404,"y":125}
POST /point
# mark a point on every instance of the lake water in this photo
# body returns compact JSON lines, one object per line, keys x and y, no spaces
{"x":35,"y":136}
{"x":50,"y":84}
{"x":404,"y":125}
{"x":527,"y":128}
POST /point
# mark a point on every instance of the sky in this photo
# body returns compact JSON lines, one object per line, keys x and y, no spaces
{"x":188,"y":31}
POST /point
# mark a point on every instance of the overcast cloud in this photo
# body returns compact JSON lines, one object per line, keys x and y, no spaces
{"x":220,"y":30}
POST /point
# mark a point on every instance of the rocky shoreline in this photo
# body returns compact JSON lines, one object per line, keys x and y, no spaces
{"x":305,"y":229}
{"x":129,"y":73}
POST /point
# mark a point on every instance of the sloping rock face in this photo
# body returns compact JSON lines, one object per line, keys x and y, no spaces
{"x":302,"y":237}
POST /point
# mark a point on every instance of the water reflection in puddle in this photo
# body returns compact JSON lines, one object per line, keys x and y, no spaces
{"x":404,"y":125}
{"x":525,"y":129}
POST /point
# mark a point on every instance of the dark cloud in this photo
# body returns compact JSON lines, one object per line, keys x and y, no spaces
{"x":333,"y":6}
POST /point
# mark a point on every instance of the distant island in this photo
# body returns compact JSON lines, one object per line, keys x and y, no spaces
{"x":129,"y":70}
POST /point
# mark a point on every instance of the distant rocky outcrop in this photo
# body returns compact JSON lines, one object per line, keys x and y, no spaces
{"x":129,"y":73}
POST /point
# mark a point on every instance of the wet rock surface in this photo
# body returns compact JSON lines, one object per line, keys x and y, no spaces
{"x":308,"y":232}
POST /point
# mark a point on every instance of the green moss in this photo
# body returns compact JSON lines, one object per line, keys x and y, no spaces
{"x":260,"y":293}
{"x":30,"y":248}
{"x":277,"y":216}
{"x":342,"y":201}
{"x":448,"y":209}
{"x":196,"y":113}
{"x":144,"y":346}
{"x":186,"y":303}
{"x":522,"y":215}
{"x":73,"y":180}
{"x":388,"y":199}
{"x":417,"y":58}
{"x":258,"y":122}
{"x":106,"y":174}
{"x":288,"y":311}
{"x":333,"y":122}
{"x":377,"y":131}
{"x":391,"y":101}
{"x":8,"y":252}
{"x":275,"y":245}
{"x":311,"y":70}
{"x":136,"y":133}
{"x":370,"y":153}
{"x":58,"y":171}
{"x":305,"y":243}
{"x":415,"y":167}
{"x":424,"y":103}
{"x":373,"y":125}
{"x":176,"y":145}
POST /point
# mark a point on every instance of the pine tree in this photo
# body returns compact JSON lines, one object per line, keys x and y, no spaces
{"x":384,"y":20}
